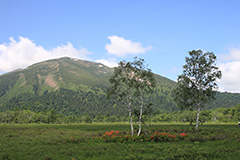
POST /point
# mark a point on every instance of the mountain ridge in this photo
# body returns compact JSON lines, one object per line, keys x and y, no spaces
{"x":73,"y":86}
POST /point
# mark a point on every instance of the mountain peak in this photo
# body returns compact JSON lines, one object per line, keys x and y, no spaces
{"x":71,"y":85}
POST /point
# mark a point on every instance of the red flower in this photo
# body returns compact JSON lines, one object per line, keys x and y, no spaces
{"x":108,"y":133}
{"x":164,"y":134}
{"x":182,"y":134}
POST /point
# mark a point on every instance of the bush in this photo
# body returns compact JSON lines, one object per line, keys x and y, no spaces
{"x":122,"y":137}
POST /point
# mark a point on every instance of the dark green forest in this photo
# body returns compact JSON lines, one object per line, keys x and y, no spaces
{"x":95,"y":101}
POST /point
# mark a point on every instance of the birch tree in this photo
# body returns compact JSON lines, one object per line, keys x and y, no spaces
{"x":144,"y":83}
{"x":197,"y":83}
{"x":122,"y":86}
{"x":131,"y":81}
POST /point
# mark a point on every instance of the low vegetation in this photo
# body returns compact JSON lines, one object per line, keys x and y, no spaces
{"x":48,"y":141}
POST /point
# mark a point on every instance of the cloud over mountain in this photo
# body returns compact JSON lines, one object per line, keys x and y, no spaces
{"x":22,"y":53}
{"x":121,"y":47}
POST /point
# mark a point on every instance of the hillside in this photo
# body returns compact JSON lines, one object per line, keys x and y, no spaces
{"x":72,"y":86}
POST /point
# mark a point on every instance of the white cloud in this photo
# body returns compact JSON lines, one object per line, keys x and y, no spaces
{"x":110,"y":62}
{"x":234,"y":55}
{"x":230,"y":67}
{"x":121,"y":47}
{"x":23,"y":53}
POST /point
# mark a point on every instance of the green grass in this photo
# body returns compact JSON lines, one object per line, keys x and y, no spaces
{"x":45,"y":142}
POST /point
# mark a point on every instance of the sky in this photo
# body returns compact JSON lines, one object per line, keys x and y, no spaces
{"x":109,"y":31}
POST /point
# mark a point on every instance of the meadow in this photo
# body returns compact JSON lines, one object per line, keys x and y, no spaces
{"x":75,"y":142}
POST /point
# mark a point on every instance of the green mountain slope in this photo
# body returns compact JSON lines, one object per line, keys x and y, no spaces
{"x":72,"y":86}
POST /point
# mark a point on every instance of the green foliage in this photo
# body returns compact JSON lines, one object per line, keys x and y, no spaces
{"x":129,"y":84}
{"x":196,"y":84}
{"x":220,"y":115}
{"x":125,"y":137}
{"x":74,"y":141}
{"x":223,"y":115}
{"x":144,"y":85}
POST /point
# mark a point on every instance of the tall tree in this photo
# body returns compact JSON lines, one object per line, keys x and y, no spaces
{"x":131,"y":81}
{"x":197,"y":83}
{"x":122,"y":86}
{"x":144,"y":83}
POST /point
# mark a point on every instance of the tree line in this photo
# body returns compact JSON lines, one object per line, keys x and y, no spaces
{"x":220,"y":115}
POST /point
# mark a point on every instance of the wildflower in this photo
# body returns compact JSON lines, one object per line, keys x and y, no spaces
{"x":72,"y":138}
{"x":108,"y":133}
{"x":182,"y":134}
{"x":173,"y":136}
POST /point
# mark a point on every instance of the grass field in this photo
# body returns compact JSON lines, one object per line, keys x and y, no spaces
{"x":46,"y":142}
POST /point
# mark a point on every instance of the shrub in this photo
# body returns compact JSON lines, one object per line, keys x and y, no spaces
{"x":122,"y":137}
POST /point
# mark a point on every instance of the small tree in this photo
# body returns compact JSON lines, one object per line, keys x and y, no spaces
{"x":196,"y":84}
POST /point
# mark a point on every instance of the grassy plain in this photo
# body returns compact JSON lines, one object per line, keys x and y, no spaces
{"x":53,"y":141}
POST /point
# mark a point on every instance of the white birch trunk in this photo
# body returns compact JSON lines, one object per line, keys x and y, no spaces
{"x":198,"y":111}
{"x":130,"y":115}
{"x":129,"y":103}
{"x":140,"y":116}
{"x":199,"y":104}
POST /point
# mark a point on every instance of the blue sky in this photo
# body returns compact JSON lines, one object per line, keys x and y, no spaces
{"x":107,"y":31}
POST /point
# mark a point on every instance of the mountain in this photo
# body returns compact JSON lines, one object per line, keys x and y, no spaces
{"x":73,"y":86}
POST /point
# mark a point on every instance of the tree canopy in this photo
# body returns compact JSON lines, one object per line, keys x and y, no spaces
{"x":129,"y":82}
{"x":197,"y":83}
